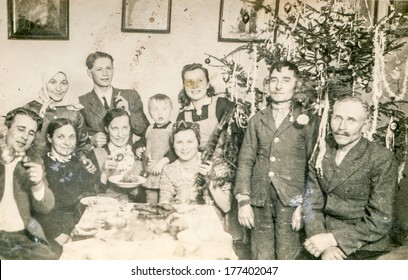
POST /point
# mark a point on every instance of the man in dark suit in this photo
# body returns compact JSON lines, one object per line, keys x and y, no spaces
{"x":104,"y":97}
{"x":23,"y":188}
{"x":348,"y":203}
{"x":272,"y":169}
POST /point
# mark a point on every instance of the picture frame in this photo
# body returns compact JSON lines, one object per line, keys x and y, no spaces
{"x":401,"y":7}
{"x":38,"y":19}
{"x":246,"y":21}
{"x":146,"y":16}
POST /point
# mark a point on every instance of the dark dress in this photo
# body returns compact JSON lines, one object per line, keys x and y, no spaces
{"x":69,"y":182}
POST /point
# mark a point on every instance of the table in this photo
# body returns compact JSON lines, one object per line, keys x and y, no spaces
{"x":131,"y":237}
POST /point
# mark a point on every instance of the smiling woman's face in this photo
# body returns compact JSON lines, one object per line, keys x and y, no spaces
{"x":57,"y":86}
{"x":119,"y":131}
{"x":185,"y":145}
{"x":63,"y":140}
{"x":195,"y":84}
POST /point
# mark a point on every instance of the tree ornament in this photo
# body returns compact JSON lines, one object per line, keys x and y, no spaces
{"x":226,"y":77}
{"x":394,"y":125}
{"x":327,"y":58}
{"x":287,"y":8}
{"x":321,"y":19}
{"x":245,"y":17}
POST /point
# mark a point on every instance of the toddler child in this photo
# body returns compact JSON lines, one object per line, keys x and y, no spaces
{"x":155,"y":144}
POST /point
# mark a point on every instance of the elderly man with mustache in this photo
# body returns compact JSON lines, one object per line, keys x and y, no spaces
{"x":348,"y":203}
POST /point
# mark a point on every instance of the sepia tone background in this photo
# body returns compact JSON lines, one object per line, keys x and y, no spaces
{"x":148,"y":62}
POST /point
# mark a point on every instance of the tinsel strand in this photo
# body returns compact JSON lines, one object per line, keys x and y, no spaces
{"x":321,"y":142}
{"x":403,"y":92}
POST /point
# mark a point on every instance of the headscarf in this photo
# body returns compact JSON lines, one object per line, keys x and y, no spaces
{"x":70,"y":100}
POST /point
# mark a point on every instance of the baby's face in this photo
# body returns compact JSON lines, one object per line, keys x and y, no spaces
{"x":160,"y":111}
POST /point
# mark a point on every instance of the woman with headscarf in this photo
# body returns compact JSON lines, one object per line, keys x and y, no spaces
{"x":56,"y":101}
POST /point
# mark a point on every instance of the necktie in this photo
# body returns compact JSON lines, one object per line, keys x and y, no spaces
{"x":105,"y":103}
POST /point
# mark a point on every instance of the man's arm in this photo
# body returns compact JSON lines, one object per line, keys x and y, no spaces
{"x":84,"y":143}
{"x":42,"y":197}
{"x":313,"y":203}
{"x":246,"y":163}
{"x":138,"y":119}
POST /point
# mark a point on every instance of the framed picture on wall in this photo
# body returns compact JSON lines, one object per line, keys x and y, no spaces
{"x":246,"y":21}
{"x":146,"y":16}
{"x":38,"y":19}
{"x":401,"y":7}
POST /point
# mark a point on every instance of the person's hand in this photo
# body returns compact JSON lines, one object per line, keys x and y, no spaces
{"x":89,"y":165}
{"x":205,"y":169}
{"x":297,"y":220}
{"x":318,"y":243}
{"x":158,"y":167}
{"x":122,"y":103}
{"x":35,"y":172}
{"x":139,"y":152}
{"x":246,"y":216}
{"x":109,"y":165}
{"x":333,"y":253}
{"x":99,"y":139}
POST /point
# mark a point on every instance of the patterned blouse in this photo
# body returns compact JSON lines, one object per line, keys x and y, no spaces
{"x":177,"y":183}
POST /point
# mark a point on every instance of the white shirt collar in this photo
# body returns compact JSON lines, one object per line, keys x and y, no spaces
{"x":207,"y":101}
{"x":108,"y":94}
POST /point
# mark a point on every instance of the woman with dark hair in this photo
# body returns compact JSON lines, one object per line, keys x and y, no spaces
{"x":178,"y":180}
{"x":67,"y":178}
{"x":199,"y":103}
{"x":116,"y":157}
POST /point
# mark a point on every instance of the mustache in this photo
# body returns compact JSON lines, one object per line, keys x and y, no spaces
{"x":344,"y":133}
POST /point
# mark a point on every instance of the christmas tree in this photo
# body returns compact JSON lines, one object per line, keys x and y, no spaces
{"x":340,"y":51}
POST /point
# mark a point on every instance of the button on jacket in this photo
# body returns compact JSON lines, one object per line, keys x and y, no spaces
{"x":354,"y":200}
{"x":278,"y":155}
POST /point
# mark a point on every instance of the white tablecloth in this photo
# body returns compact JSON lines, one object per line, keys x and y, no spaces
{"x":204,"y":237}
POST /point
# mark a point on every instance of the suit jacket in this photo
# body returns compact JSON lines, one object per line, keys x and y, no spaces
{"x":278,"y":155}
{"x":25,"y":200}
{"x":94,"y":111}
{"x":354,"y":200}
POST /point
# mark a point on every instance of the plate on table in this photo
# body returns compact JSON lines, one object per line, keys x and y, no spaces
{"x":127,"y":183}
{"x":98,"y":200}
{"x":153,"y":211}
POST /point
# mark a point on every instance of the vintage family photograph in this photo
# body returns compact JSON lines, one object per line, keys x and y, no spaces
{"x":204,"y":130}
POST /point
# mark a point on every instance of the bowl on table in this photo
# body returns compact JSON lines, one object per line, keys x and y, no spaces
{"x":128,"y":182}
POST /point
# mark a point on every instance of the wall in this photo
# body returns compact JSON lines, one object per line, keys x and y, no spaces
{"x":95,"y":25}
